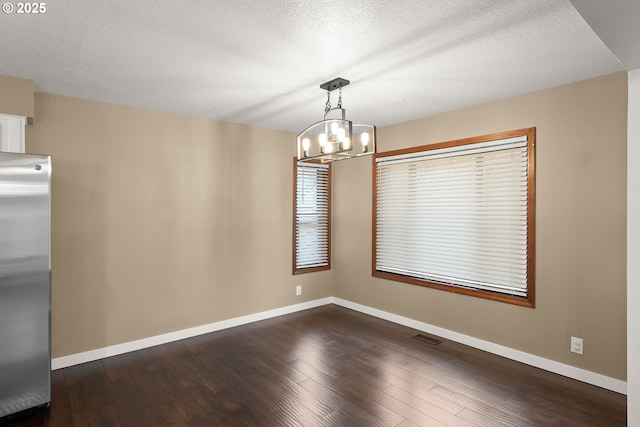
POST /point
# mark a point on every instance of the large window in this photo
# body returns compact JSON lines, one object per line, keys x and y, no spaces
{"x":459,"y":216}
{"x":312,"y":217}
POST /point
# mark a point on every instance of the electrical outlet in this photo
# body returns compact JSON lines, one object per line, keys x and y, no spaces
{"x":299,"y":290}
{"x":577,"y":345}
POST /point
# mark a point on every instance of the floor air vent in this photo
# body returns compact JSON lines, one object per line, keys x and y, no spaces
{"x":428,"y":340}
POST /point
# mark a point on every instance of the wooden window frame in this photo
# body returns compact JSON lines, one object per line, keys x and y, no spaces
{"x":529,"y":300}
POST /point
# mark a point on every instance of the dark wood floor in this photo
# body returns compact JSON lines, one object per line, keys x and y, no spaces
{"x":328,"y":366}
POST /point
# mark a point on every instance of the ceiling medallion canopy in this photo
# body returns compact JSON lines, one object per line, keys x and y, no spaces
{"x":335,"y":137}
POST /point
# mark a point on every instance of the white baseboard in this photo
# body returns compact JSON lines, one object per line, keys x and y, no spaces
{"x":520,"y":356}
{"x":114,"y":350}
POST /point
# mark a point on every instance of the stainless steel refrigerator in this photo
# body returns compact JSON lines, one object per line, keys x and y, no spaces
{"x":25,"y":283}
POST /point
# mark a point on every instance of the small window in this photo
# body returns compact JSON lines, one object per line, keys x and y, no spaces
{"x":459,"y":216}
{"x":312,"y":217}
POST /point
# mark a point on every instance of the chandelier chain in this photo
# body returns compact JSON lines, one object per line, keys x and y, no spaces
{"x":327,"y":106}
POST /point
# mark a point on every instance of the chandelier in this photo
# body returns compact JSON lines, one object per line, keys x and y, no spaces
{"x":332,"y":139}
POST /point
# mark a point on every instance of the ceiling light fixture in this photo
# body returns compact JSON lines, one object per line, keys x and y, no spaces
{"x":331,"y":139}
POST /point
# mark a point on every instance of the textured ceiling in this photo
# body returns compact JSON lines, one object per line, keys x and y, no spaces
{"x":261,"y":62}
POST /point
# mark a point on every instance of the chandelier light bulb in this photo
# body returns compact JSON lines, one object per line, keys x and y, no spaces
{"x":364,"y":138}
{"x":305,"y":147}
{"x":346,"y":144}
{"x":334,"y":128}
{"x":322,"y":141}
{"x":341,"y":134}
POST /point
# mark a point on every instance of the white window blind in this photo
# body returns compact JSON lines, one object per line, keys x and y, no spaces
{"x":456,"y":216}
{"x":312,"y":225}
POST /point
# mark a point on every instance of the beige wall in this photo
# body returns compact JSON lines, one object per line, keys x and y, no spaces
{"x":580,"y":220}
{"x":163,"y":222}
{"x":16,"y":96}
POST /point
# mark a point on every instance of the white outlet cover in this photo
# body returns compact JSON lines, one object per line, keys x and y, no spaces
{"x":577,"y":345}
